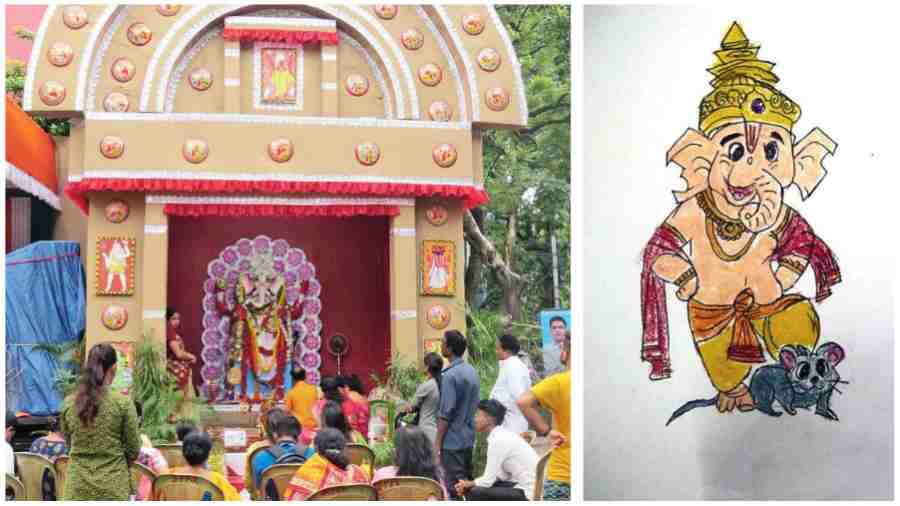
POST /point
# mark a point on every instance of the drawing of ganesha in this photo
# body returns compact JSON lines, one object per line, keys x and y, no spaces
{"x":732,"y":246}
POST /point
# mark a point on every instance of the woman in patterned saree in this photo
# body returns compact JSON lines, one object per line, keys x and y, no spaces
{"x":351,"y":389}
{"x":327,"y":468}
{"x":179,"y":359}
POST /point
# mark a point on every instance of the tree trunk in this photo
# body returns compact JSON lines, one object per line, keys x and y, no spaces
{"x":475,"y":267}
{"x":510,"y":281}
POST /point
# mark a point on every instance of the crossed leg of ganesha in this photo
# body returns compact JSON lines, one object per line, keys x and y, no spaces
{"x":798,"y":324}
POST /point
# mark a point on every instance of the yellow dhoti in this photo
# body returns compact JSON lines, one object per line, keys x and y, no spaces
{"x":789,"y":320}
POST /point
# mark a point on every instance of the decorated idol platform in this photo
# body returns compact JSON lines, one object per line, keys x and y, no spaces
{"x":280,"y":176}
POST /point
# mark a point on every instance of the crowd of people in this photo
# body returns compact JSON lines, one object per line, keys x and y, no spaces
{"x":99,"y":429}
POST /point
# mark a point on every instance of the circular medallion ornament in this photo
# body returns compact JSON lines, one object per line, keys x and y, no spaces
{"x":440,"y":111}
{"x":281,"y":150}
{"x":168,"y":9}
{"x":368,"y":153}
{"x":112,"y":147}
{"x":473,"y":24}
{"x":412,"y":39}
{"x":437,"y":215}
{"x":116,"y":211}
{"x":200,"y":79}
{"x":357,"y":85}
{"x":123,"y":70}
{"x":52,"y":93}
{"x":444,"y":155}
{"x":438,"y":316}
{"x":385,"y":11}
{"x":60,"y":54}
{"x":195,"y":150}
{"x":114,"y":317}
{"x":489,"y":59}
{"x":116,"y":102}
{"x":75,"y":17}
{"x":430,"y":74}
{"x":497,"y":99}
{"x":139,"y":34}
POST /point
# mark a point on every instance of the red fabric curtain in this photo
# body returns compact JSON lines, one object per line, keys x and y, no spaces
{"x":274,"y":35}
{"x":351,"y":260}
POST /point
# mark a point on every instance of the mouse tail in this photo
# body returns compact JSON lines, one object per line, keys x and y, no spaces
{"x":699,"y":403}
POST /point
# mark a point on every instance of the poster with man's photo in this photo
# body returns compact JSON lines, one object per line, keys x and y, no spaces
{"x":554,"y":324}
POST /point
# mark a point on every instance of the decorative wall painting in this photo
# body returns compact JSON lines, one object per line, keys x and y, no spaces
{"x":438,"y":268}
{"x":125,"y":366}
{"x":279,"y":76}
{"x":115,"y":265}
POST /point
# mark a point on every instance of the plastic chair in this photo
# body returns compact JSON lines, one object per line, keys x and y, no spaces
{"x":345,"y":493}
{"x":16,"y":487}
{"x":173,"y":455}
{"x":251,"y":487}
{"x":139,"y":471}
{"x":275,"y":479}
{"x":362,"y":455}
{"x":540,"y":475}
{"x":185,"y":487}
{"x":61,"y":465}
{"x":32,"y":468}
{"x":408,"y":488}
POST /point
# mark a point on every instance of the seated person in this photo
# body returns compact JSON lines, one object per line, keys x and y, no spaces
{"x":328,"y":467}
{"x":148,"y":456}
{"x":511,"y":462}
{"x":53,"y":445}
{"x":359,"y":404}
{"x":266,"y":423}
{"x":412,"y":457}
{"x":184,"y":428}
{"x":301,"y":398}
{"x":196,"y":446}
{"x":333,"y":416}
{"x":9,"y":456}
{"x":284,"y":451}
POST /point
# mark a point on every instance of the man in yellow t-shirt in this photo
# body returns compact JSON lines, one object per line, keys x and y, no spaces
{"x":301,"y":399}
{"x":554,"y":394}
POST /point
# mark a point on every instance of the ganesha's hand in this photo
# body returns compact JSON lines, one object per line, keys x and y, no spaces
{"x":687,"y":289}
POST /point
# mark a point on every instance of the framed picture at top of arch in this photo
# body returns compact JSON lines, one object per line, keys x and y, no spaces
{"x":278,"y":75}
{"x":438,"y":268}
{"x":114,"y":267}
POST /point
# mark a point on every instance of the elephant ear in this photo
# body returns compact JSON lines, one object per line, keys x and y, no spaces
{"x":694,"y":153}
{"x":809,"y":154}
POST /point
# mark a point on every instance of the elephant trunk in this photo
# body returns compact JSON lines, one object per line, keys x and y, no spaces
{"x":761,"y":214}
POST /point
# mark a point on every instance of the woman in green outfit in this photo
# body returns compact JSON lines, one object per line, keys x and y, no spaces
{"x":101,"y":430}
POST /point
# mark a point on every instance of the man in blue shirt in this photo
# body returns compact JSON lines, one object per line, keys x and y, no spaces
{"x":287,"y":430}
{"x":455,"y":439}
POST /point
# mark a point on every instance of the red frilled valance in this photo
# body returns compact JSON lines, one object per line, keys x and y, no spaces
{"x":274,"y":35}
{"x":471,"y":196}
{"x":256,"y":210}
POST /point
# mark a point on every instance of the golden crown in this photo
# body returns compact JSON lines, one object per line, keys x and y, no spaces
{"x":744,"y":88}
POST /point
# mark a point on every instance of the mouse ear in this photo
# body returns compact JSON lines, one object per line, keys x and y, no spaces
{"x":833,"y":352}
{"x":788,"y":357}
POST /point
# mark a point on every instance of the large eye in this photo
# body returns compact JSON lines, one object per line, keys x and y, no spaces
{"x":821,"y":367}
{"x":772,"y":151}
{"x":735,"y":151}
{"x":804,"y":371}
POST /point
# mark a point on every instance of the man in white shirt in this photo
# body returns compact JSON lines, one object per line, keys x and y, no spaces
{"x":9,"y":457}
{"x":513,"y":381}
{"x":552,"y":364}
{"x":511,"y":462}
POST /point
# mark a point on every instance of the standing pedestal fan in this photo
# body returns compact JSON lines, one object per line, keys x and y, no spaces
{"x":338,"y":345}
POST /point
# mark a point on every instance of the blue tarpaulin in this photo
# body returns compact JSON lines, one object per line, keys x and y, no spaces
{"x":45,"y":304}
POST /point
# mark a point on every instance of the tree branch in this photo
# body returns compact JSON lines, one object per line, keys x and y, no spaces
{"x":478,"y":241}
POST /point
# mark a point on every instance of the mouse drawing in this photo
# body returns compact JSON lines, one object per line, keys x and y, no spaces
{"x":803,"y":379}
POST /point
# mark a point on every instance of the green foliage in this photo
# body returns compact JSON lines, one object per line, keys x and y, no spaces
{"x":155,"y":389}
{"x":69,"y":358}
{"x":527,"y":173}
{"x":384,"y":454}
{"x":401,"y":378}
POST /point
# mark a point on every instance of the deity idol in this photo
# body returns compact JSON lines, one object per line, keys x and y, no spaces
{"x":732,"y":246}
{"x":260,"y":335}
{"x":116,"y":261}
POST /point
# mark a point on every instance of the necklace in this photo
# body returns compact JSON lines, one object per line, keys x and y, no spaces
{"x":729,"y":229}
{"x":715,"y":227}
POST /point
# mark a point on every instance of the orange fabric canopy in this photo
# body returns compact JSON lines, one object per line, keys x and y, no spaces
{"x":30,"y":156}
